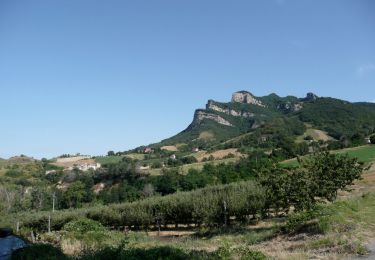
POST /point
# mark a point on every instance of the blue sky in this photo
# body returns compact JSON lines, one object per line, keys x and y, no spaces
{"x":91,"y":76}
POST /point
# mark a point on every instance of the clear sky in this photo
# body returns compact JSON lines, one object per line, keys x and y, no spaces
{"x":91,"y":76}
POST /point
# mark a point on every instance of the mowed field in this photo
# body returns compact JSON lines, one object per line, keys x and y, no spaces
{"x":118,"y":158}
{"x":364,"y":153}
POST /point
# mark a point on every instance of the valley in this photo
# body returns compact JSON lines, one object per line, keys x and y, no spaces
{"x":254,"y":178}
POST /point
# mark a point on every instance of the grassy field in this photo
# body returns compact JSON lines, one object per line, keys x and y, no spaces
{"x":364,"y":153}
{"x":116,"y":158}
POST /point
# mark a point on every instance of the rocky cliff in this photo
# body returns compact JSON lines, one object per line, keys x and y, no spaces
{"x":201,"y":115}
{"x":246,"y":98}
{"x":226,"y":110}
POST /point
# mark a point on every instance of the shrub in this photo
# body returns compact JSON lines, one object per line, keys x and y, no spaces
{"x":305,"y":221}
{"x":83,"y":225}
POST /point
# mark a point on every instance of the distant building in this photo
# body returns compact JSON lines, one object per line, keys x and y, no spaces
{"x":98,"y":187}
{"x":86,"y":166}
{"x":148,"y":150}
{"x":50,"y":171}
{"x":173,"y":157}
{"x":367,"y":140}
{"x":195,"y":150}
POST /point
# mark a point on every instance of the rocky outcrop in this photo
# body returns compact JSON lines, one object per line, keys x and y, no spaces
{"x":214,"y":106}
{"x":200,"y":115}
{"x":297,"y":107}
{"x":310,"y":97}
{"x":246,"y":98}
{"x":290,"y":107}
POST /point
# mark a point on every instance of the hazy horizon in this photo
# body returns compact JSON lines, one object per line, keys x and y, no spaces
{"x":88,"y":77}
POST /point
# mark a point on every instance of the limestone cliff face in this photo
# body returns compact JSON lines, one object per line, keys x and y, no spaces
{"x":246,"y":98}
{"x":200,"y":115}
{"x":213,"y":106}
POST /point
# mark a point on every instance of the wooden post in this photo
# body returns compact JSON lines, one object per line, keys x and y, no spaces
{"x":32,"y":236}
{"x":49,"y":224}
{"x":17,"y":226}
{"x":53,"y":201}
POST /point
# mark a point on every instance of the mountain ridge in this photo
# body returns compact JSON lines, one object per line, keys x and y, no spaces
{"x":246,"y":112}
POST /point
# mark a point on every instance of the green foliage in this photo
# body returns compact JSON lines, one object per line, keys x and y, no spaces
{"x":339,"y":118}
{"x":125,"y":251}
{"x":372,"y":139}
{"x":38,"y":251}
{"x":14,"y":173}
{"x":304,"y":221}
{"x":83,"y":225}
{"x":74,"y":194}
{"x":331,"y":172}
{"x":318,"y":179}
{"x":211,"y":206}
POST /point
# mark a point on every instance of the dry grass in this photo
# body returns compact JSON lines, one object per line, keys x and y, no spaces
{"x":206,"y":135}
{"x":73,"y":161}
{"x":316,"y":134}
{"x":219,"y":154}
{"x":171,"y":148}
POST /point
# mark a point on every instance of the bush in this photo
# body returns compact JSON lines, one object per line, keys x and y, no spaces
{"x":83,"y":225}
{"x":171,"y":253}
{"x":305,"y":221}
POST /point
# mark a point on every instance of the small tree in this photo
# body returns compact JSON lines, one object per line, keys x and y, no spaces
{"x":74,"y":195}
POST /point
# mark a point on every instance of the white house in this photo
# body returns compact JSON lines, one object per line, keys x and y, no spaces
{"x":86,"y":166}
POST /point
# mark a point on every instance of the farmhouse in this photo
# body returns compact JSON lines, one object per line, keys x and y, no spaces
{"x":86,"y":166}
{"x":148,"y":150}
